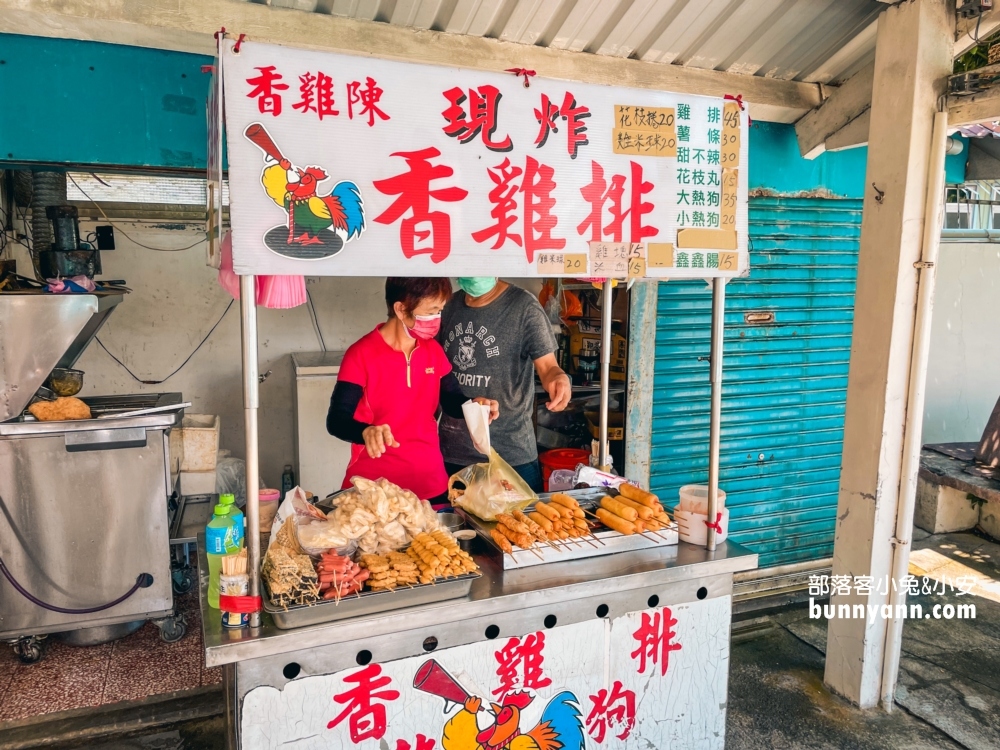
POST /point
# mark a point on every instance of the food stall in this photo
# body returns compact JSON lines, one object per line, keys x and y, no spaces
{"x":591,"y":625}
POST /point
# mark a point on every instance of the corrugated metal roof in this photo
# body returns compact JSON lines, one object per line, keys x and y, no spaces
{"x":823,"y":41}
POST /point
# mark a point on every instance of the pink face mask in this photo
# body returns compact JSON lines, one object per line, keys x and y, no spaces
{"x":425,"y":327}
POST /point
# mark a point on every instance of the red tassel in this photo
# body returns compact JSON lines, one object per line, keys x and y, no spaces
{"x":739,"y":100}
{"x":522,"y":72}
{"x":239,"y":43}
{"x":716,"y":526}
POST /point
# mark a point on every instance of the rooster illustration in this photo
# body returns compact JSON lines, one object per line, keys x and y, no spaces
{"x":310,"y":216}
{"x":560,"y":727}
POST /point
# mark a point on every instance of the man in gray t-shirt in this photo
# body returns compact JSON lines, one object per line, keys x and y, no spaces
{"x":496,"y":337}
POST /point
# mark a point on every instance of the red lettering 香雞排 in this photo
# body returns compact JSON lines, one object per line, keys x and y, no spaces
{"x":414,"y":190}
{"x":364,"y":703}
{"x":504,"y":205}
{"x":266,"y":87}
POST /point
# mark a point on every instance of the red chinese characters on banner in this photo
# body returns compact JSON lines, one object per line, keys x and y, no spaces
{"x":368,"y":97}
{"x":599,"y":194}
{"x":576,"y":130}
{"x":537,"y":186}
{"x":366,"y":712}
{"x":481,"y":118}
{"x":546,"y":115}
{"x":656,"y":640}
{"x":422,"y":743}
{"x":520,"y":665}
{"x":316,"y":95}
{"x":574,"y":115}
{"x":614,"y":710}
{"x":504,"y":205}
{"x":415,"y":193}
{"x":265,"y":89}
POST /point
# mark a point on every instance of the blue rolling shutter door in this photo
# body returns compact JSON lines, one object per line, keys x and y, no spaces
{"x":785,"y":382}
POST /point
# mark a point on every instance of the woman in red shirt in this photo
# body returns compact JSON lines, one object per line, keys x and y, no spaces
{"x":391,"y":383}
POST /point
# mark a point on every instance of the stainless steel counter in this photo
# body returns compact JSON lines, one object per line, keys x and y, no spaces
{"x":557,"y":586}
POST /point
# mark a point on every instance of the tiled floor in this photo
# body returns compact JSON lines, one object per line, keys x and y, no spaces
{"x":138,"y":666}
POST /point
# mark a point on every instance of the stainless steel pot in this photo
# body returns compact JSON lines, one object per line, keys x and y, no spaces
{"x":99,"y":635}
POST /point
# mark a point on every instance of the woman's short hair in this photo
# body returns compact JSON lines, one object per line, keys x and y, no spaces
{"x":410,"y":291}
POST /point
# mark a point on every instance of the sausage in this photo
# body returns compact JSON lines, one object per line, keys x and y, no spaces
{"x":615,"y":522}
{"x":542,"y":521}
{"x":564,"y":500}
{"x":619,"y":508}
{"x":513,"y":524}
{"x":524,"y":541}
{"x":581,"y":524}
{"x":533,"y":528}
{"x":548,"y":511}
{"x":644,"y":511}
{"x":502,"y":541}
{"x":640,"y":496}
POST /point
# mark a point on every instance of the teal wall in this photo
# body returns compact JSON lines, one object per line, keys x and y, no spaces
{"x":775,"y":164}
{"x":70,"y":102}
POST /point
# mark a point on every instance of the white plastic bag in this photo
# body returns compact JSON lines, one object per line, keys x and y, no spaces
{"x":477,"y":419}
{"x":314,"y":532}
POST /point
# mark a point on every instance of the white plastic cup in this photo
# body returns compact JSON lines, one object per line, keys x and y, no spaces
{"x":694,"y":499}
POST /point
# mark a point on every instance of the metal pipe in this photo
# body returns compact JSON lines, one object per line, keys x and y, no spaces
{"x":926,"y":275}
{"x":251,"y":401}
{"x":715,"y":425}
{"x":604,"y":461}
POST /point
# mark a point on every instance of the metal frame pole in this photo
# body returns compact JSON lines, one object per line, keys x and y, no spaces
{"x":251,"y":401}
{"x":604,"y":459}
{"x":715,"y":427}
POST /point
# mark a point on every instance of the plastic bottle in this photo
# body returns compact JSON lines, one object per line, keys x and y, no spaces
{"x":287,"y":480}
{"x":236,"y":513}
{"x":221,"y":538}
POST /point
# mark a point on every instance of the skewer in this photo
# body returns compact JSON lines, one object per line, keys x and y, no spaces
{"x":536,"y":553}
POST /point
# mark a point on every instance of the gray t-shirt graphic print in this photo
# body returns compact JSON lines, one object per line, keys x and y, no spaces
{"x":492,"y":351}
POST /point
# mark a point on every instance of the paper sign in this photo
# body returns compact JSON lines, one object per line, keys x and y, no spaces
{"x":644,"y":131}
{"x":728,"y":261}
{"x":550,"y":264}
{"x":730,"y":184}
{"x":575,"y":264}
{"x":716,"y":239}
{"x":730,"y":152}
{"x":640,"y":143}
{"x":660,"y":255}
{"x":612,"y":259}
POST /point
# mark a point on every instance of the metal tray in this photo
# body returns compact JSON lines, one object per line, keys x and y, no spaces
{"x":608,"y":541}
{"x":369,"y":602}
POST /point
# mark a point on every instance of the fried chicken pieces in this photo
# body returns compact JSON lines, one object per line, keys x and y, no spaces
{"x":63,"y":408}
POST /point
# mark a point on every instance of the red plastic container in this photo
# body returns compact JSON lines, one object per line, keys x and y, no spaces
{"x":561,"y":458}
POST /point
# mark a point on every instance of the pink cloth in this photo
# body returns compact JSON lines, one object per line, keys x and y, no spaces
{"x":274,"y":292}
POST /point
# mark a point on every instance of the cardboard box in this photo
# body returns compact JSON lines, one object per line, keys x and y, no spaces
{"x":616,"y":425}
{"x":585,"y":339}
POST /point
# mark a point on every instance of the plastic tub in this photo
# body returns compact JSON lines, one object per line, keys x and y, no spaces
{"x":694,"y":499}
{"x":693,"y":527}
{"x":561,"y":458}
{"x":267,"y":508}
{"x":562,"y":480}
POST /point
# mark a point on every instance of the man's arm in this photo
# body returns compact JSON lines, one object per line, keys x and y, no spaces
{"x":554,"y":381}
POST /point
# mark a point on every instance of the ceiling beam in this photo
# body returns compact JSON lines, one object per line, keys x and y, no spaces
{"x":968,"y":110}
{"x":188,"y":26}
{"x":844,"y":105}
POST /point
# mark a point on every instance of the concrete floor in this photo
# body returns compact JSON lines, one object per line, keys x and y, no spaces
{"x":948,"y":696}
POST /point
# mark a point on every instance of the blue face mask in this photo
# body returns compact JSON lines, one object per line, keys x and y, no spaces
{"x":477,"y":286}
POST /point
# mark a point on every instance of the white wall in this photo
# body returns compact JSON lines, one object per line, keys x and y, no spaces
{"x":176,"y":300}
{"x":963,"y":374}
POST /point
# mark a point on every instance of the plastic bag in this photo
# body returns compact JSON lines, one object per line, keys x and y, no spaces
{"x":490,"y":489}
{"x":231,"y":477}
{"x":314,"y":532}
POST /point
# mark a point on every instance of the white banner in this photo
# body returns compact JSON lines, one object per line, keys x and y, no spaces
{"x":648,"y":679}
{"x":355,"y":166}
